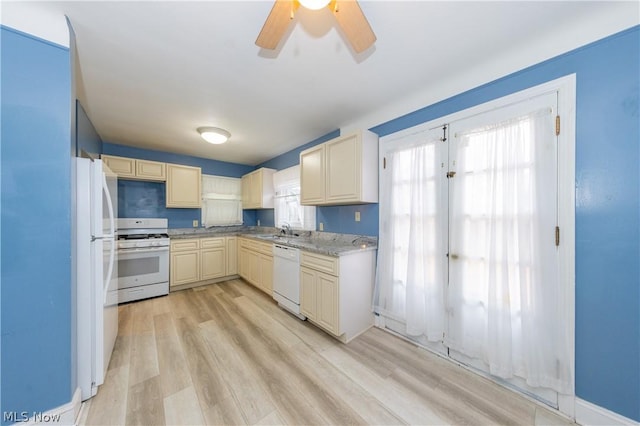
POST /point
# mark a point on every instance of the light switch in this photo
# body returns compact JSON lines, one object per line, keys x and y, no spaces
{"x":321,"y":226}
{"x":195,"y":223}
{"x":357,"y":216}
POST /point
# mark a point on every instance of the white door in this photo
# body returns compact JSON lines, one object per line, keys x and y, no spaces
{"x":483,"y":249}
{"x":414,"y":221}
{"x":503,"y":262}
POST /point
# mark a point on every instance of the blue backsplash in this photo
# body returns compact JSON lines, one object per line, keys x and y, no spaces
{"x":147,"y":199}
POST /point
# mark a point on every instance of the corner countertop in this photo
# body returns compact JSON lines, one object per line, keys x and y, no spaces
{"x":327,"y":243}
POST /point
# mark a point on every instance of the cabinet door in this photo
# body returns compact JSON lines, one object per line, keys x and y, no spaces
{"x":243,"y":261}
{"x":327,"y":302}
{"x":183,"y":186}
{"x":232,"y":256}
{"x":308,"y":292}
{"x":212,"y":263}
{"x":246,"y":191}
{"x":312,"y":176}
{"x":343,"y":169}
{"x":185,"y":267}
{"x":150,"y":170}
{"x":254,"y":267}
{"x":122,"y":166}
{"x":266,"y":274}
{"x":255,"y":193}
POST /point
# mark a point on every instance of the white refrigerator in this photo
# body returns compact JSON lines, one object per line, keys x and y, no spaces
{"x":96,"y":271}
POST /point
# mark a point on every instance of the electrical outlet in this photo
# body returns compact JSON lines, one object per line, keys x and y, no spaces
{"x":258,"y":222}
{"x":357,"y":216}
{"x":321,"y":226}
{"x":195,"y":223}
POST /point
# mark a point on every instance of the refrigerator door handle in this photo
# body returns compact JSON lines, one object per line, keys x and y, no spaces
{"x":112,"y":225}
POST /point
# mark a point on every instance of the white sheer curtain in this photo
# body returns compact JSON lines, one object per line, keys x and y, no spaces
{"x":411,"y":274}
{"x":287,"y":208}
{"x":503,"y":290}
{"x":221,"y":201}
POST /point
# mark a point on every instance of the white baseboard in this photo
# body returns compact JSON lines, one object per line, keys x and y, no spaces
{"x":588,"y":414}
{"x":65,"y":414}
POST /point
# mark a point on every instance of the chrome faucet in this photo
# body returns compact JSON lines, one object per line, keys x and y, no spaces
{"x":286,"y":229}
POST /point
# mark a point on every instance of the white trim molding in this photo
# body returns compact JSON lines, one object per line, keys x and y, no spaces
{"x":65,"y":414}
{"x":589,"y":414}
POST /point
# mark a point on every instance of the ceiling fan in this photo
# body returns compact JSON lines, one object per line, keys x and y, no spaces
{"x":347,"y":13}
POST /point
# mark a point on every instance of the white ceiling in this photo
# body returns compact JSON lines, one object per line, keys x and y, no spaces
{"x":152,"y":72}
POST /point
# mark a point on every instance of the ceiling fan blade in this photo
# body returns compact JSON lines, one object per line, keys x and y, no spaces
{"x":353,"y":23}
{"x":276,"y":23}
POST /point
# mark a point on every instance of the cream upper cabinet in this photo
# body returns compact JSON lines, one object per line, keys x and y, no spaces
{"x":343,"y":170}
{"x":257,"y":189}
{"x":312,"y":170}
{"x":336,"y":292}
{"x":131,"y":168}
{"x":183,"y":186}
{"x":151,"y":170}
{"x":122,"y":166}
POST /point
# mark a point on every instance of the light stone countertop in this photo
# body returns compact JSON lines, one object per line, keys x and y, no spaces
{"x":327,"y":243}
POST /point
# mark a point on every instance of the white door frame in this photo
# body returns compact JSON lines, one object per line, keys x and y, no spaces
{"x":566,"y":89}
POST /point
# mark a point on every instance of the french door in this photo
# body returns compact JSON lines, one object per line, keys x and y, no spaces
{"x":468,"y":262}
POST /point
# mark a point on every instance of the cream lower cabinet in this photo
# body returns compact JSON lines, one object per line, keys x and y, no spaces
{"x":336,"y":292}
{"x":185,"y":262}
{"x":213,"y":263}
{"x":255,"y":261}
{"x":197,"y":261}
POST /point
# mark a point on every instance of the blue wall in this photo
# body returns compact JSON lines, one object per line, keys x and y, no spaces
{"x":147,"y":199}
{"x":36,"y":224}
{"x":607,"y":207}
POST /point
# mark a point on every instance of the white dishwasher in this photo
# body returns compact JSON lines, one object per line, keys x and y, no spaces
{"x":286,"y":278}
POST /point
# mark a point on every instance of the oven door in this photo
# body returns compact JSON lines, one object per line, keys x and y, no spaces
{"x":142,"y":266}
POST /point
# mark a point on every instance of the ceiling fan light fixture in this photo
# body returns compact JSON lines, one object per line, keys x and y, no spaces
{"x":214,"y":135}
{"x":314,"y":4}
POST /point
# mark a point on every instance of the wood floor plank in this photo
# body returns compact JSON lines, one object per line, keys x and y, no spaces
{"x":183,"y":408}
{"x":346,"y":389}
{"x":203,"y":368}
{"x":399,"y":401}
{"x":174,"y":373}
{"x":310,"y":334}
{"x":144,"y":357}
{"x":268,"y":365}
{"x":145,"y":403}
{"x":109,"y":406}
{"x":248,"y":392}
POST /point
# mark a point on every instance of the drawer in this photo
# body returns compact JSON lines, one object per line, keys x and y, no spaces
{"x":319,"y":262}
{"x":182,"y":245}
{"x":211,"y":242}
{"x":246,"y":243}
{"x":264,"y":248}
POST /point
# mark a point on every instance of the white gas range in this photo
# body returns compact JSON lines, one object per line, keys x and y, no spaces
{"x":143,"y":259}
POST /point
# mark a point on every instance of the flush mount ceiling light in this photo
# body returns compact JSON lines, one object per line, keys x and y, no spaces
{"x":214,"y":135}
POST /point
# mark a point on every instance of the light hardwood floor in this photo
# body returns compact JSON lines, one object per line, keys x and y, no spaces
{"x":226,"y":354}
